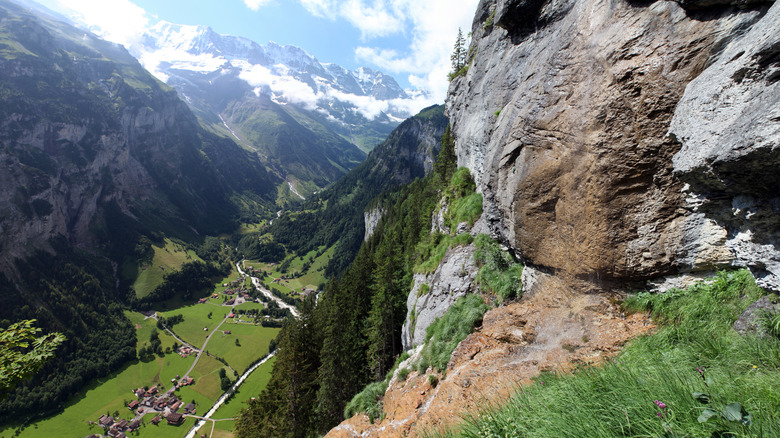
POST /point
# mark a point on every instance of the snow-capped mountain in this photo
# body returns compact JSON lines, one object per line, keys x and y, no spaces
{"x":286,"y":74}
{"x":309,"y":121}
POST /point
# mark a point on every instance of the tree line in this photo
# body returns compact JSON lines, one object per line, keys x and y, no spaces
{"x":352,"y":335}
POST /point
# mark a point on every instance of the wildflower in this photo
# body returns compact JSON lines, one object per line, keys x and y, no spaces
{"x":755,"y":367}
{"x":660,"y":404}
{"x":660,"y":414}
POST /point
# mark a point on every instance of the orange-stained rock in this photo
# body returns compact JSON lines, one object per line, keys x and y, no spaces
{"x":552,"y":331}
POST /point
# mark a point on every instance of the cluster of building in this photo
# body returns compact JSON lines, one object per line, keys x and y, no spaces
{"x":185,"y":351}
{"x":117,"y":428}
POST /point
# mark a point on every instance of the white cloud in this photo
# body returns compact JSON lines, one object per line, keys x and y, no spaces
{"x":284,"y":89}
{"x":256,"y":4}
{"x":118,"y":21}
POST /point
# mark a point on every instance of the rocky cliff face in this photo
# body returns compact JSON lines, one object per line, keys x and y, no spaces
{"x":728,"y":122}
{"x":563,"y":117}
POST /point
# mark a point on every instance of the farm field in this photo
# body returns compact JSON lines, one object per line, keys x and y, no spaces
{"x":252,"y":387}
{"x":311,"y":279}
{"x":253,"y":340}
{"x":196,"y":317}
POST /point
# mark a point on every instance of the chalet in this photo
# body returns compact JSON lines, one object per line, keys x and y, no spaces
{"x":120,"y":435}
{"x":189,"y":380}
{"x":232,"y":315}
{"x":175,"y":418}
{"x":105,"y":421}
{"x":140,"y":411}
{"x":148,"y":402}
{"x":189,"y":408}
{"x":135,"y":424}
{"x":160,"y":405}
{"x":121,"y":425}
{"x":172,"y":401}
{"x":156,"y":420}
{"x":140,"y":392}
{"x":133,"y":404}
{"x":176,"y":406}
{"x":202,"y":300}
{"x":215,"y":296}
{"x":231,"y":301}
{"x":152,"y":390}
{"x":227,"y":332}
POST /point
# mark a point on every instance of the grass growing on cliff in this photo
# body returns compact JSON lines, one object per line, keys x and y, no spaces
{"x":499,"y":273}
{"x":446,"y":332}
{"x":648,"y":391}
{"x":464,"y":205}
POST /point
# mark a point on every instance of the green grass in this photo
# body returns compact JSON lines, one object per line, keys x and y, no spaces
{"x":445,"y":333}
{"x":312,"y":278}
{"x":498,"y":273}
{"x":195,"y":318}
{"x":254,"y":342}
{"x":618,"y":399}
{"x":252,"y":387}
{"x":166,"y":259}
{"x":368,"y":401}
{"x":108,"y":395}
{"x":467,"y":209}
{"x":430,"y":251}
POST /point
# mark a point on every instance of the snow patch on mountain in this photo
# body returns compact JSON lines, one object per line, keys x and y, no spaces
{"x":287,"y":74}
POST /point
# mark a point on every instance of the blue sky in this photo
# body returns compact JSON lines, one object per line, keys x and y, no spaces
{"x":409,"y":39}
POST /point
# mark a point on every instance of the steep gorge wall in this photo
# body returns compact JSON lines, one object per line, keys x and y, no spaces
{"x":563,"y":117}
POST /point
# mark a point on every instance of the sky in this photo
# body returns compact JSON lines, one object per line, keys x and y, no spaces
{"x":409,"y":39}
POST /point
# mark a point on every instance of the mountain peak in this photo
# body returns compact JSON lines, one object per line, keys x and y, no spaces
{"x":285,"y":73}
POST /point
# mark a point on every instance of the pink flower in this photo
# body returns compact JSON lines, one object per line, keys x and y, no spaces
{"x":660,"y":415}
{"x":660,"y":404}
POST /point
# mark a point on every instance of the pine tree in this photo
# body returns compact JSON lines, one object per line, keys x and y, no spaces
{"x":458,"y":56}
{"x":286,"y":407}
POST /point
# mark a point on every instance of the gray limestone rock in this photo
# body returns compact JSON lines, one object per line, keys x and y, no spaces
{"x":728,"y":122}
{"x":750,"y":320}
{"x":434,"y":293}
{"x":562,"y":118}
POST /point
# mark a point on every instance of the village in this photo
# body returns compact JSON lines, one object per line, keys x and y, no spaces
{"x":163,"y":405}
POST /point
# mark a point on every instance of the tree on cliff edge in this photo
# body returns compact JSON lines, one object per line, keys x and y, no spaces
{"x":458,"y":56}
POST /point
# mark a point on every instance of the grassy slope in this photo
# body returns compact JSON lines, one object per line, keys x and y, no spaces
{"x":166,"y":259}
{"x":252,"y":387}
{"x":619,"y":399}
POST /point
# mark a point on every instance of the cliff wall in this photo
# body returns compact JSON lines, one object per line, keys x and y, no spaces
{"x":563,"y":117}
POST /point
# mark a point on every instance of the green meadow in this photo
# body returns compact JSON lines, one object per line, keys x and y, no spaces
{"x":167,"y":258}
{"x":253,"y":344}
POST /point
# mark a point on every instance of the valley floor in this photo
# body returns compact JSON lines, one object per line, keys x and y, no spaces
{"x":221,"y":339}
